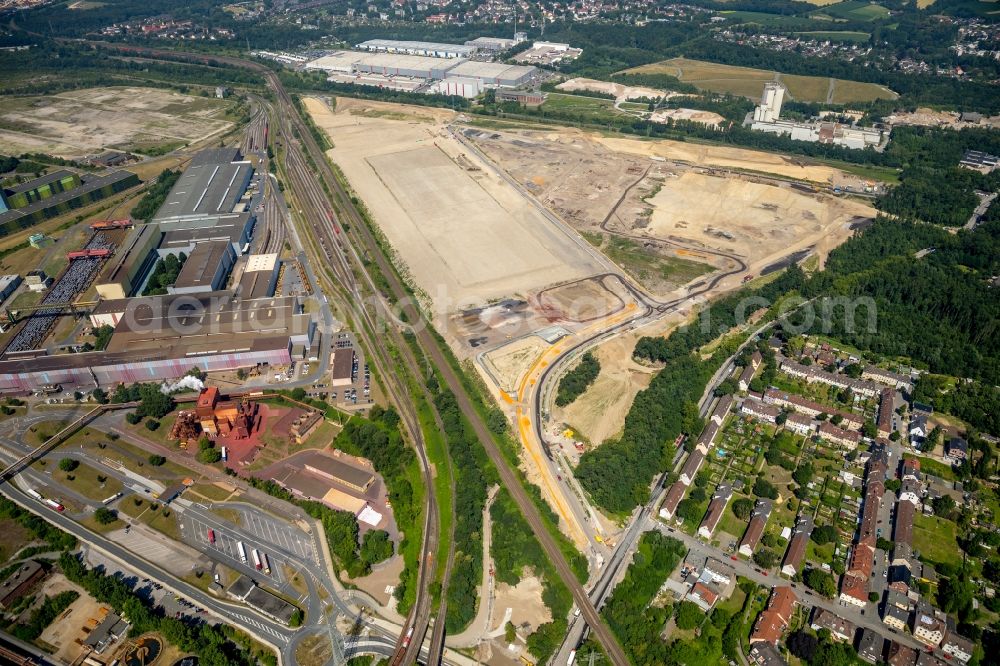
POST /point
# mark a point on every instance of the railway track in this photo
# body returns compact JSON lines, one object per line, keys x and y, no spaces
{"x":409,"y":643}
{"x":331,"y":248}
{"x":427,"y":342}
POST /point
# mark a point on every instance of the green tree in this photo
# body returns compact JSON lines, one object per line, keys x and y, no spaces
{"x":209,"y":456}
{"x":105,"y":516}
{"x":763,"y":488}
{"x":689,"y":615}
{"x":821,"y":582}
{"x":765,"y":558}
{"x":742,"y":508}
{"x":156,"y":460}
{"x":944,"y":506}
{"x":803,"y":473}
{"x":577,"y":380}
{"x":689,"y":510}
{"x":376,"y":547}
{"x":68,"y":464}
{"x":727,"y":386}
{"x":824,"y":534}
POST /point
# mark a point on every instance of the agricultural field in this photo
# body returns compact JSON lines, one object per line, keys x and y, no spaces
{"x":83,"y":122}
{"x":765,"y":19}
{"x":856,"y":10}
{"x":749,"y":82}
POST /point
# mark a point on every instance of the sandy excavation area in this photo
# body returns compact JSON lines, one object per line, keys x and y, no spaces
{"x":663,"y":220}
{"x":599,"y":193}
{"x":760,"y":221}
{"x":465,"y":236}
{"x":84,"y":122}
{"x":599,"y":413}
{"x":508,"y":364}
{"x":726,"y":157}
{"x":619,"y":90}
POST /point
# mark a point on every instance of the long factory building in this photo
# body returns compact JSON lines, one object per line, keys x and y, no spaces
{"x":208,"y":215}
{"x":164,"y":337}
{"x":354,"y":63}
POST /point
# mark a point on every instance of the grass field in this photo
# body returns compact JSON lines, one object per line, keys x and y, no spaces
{"x":934,"y":539}
{"x":79,"y":122}
{"x":644,"y":264}
{"x":160,"y":519}
{"x":935,"y":468}
{"x":749,"y":82}
{"x":84,"y":480}
{"x":769,"y":20}
{"x":856,"y":10}
{"x":125,"y":454}
{"x":211,"y":491}
{"x":593,"y":108}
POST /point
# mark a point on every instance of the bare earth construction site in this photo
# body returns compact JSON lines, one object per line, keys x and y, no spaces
{"x":671,"y":215}
{"x":529,"y":245}
{"x":470,"y":242}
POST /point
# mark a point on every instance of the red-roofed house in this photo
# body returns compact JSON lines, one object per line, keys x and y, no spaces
{"x":773,"y":620}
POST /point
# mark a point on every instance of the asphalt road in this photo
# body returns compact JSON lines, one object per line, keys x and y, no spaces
{"x":284,"y":542}
{"x":867,"y":618}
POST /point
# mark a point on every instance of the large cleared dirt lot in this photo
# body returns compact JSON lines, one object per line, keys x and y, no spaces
{"x":760,"y":221}
{"x":724,"y":156}
{"x":466,"y":236}
{"x":668,"y":222}
{"x":83,"y":122}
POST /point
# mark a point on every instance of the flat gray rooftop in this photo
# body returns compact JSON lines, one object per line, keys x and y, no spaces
{"x":203,"y":264}
{"x":216,"y":156}
{"x":340,"y":471}
{"x":207,"y":189}
{"x":230,"y":228}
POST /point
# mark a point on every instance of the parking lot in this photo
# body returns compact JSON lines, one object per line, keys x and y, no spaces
{"x":282,"y":542}
{"x":283,"y":535}
{"x":358,"y":392}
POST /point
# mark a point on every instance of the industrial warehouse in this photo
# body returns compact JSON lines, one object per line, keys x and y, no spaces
{"x":449,"y":69}
{"x":217,"y":311}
